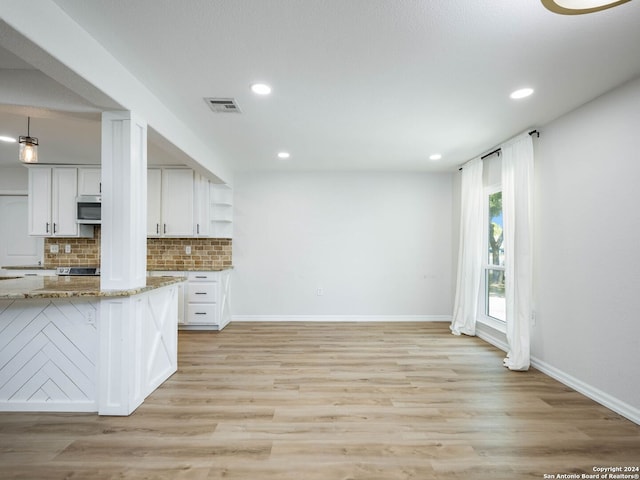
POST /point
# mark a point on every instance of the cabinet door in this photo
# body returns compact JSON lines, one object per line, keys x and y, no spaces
{"x":177,"y":202}
{"x":201,"y":206}
{"x":154,"y":207}
{"x":63,"y":205}
{"x":39,"y":201}
{"x":89,"y":181}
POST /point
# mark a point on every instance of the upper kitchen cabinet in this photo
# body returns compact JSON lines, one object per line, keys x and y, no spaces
{"x":202,"y":207}
{"x":52,"y":203}
{"x":182,"y":203}
{"x":154,"y":202}
{"x":170,"y":195}
{"x":89,"y":181}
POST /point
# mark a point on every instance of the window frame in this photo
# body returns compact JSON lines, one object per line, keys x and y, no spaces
{"x":483,"y":306}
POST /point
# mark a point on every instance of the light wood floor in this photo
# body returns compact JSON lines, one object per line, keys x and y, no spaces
{"x":330,"y":402}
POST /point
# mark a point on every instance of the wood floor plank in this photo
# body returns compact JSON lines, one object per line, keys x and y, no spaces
{"x":330,"y":401}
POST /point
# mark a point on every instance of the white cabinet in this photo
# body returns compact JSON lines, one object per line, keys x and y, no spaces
{"x":182,"y":203}
{"x":52,"y":203}
{"x":204,"y":300}
{"x":177,"y":202}
{"x":207,"y":299}
{"x":39,"y":201}
{"x":221,"y":201}
{"x":154,"y":203}
{"x":63,"y":205}
{"x":89,"y":181}
{"x":202,"y":207}
{"x":170,"y":202}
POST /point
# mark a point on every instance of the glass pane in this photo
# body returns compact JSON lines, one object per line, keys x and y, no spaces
{"x":496,"y":306}
{"x":496,"y":250}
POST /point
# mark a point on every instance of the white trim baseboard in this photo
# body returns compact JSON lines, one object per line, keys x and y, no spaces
{"x":603,"y":398}
{"x":595,"y":394}
{"x":341,"y":318}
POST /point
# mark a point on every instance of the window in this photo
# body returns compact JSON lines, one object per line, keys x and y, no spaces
{"x":495,"y":305}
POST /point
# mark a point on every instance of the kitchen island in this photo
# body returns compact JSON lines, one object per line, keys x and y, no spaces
{"x":65,"y":345}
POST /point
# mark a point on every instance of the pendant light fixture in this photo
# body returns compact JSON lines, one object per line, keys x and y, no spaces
{"x":578,"y":7}
{"x":28,"y":146}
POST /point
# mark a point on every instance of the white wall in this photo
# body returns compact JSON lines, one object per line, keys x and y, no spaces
{"x":587,"y":278}
{"x":14,"y":179}
{"x":377,"y":244}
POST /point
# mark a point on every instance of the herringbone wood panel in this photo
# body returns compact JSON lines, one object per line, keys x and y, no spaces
{"x":330,"y":401}
{"x":47,"y":352}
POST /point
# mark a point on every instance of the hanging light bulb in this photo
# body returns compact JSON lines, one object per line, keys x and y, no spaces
{"x":28,"y":146}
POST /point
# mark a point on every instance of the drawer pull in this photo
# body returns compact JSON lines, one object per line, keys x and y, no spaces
{"x":200,"y":313}
{"x":201,"y":276}
{"x":201,"y":293}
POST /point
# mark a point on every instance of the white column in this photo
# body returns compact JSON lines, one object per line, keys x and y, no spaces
{"x":123,"y":258}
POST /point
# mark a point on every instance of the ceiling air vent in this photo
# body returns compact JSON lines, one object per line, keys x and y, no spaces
{"x":222,"y":105}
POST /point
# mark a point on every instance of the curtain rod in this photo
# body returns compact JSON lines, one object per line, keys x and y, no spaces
{"x":498,"y":150}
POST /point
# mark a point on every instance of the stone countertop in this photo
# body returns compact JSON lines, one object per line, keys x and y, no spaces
{"x":42,"y":267}
{"x":27,"y":267}
{"x":62,"y":287}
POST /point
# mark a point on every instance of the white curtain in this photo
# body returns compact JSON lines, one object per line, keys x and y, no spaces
{"x":517,"y":189}
{"x":465,"y":308}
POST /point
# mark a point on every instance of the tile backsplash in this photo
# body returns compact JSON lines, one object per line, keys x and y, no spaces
{"x":85,"y":252}
{"x":162,"y":253}
{"x":206,"y":253}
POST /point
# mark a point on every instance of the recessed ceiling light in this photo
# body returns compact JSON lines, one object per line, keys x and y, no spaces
{"x":7,"y":139}
{"x":261,"y":89}
{"x":522,"y":93}
{"x":284,"y":155}
{"x":435,"y":156}
{"x":578,"y":7}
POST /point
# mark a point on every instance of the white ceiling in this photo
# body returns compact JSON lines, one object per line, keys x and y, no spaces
{"x":357,"y":84}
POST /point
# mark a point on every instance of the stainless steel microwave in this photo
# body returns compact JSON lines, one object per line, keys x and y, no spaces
{"x":89,"y":209}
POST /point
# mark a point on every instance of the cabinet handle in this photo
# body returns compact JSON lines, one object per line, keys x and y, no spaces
{"x":47,"y":228}
{"x":165,"y":228}
{"x":201,"y":293}
{"x":158,"y":228}
{"x":100,"y":187}
{"x":54,"y":227}
{"x":200,"y":313}
{"x":201,"y":276}
{"x":198,"y":228}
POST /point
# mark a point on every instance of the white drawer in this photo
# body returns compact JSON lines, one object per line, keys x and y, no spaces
{"x":203,"y":276}
{"x":205,"y":313}
{"x":163,"y":273}
{"x":202,"y":292}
